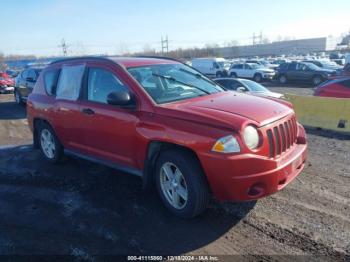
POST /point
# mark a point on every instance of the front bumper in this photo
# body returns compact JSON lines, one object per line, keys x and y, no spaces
{"x":269,"y":76}
{"x":249,"y":177}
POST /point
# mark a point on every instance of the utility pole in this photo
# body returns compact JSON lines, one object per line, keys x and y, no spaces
{"x":253,"y":38}
{"x":165,"y":44}
{"x":64,"y":47}
{"x":260,"y":38}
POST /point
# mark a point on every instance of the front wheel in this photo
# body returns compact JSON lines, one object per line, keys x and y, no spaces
{"x":181,"y":183}
{"x":258,"y":78}
{"x":282,"y":79}
{"x":18,"y":98}
{"x":233,"y":74}
{"x":50,"y":146}
{"x":316,"y":80}
{"x":219,"y":74}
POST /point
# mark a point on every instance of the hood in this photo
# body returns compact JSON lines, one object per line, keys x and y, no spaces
{"x":269,"y":94}
{"x":266,"y":70}
{"x":322,"y":70}
{"x":231,"y":107}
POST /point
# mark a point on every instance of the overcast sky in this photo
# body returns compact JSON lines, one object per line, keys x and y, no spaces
{"x":115,"y":26}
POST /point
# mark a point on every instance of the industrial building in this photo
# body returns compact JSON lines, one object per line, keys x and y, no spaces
{"x":291,"y":47}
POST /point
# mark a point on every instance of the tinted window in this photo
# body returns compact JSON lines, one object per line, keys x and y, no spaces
{"x":346,"y":83}
{"x":50,"y":79}
{"x":101,"y":83}
{"x":69,"y":82}
{"x":32,"y":74}
{"x":239,"y":66}
{"x":293,"y":66}
{"x":24,"y":74}
{"x":231,"y":84}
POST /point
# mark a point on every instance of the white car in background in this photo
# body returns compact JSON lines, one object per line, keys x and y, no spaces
{"x":252,"y":71}
{"x":214,"y":67}
{"x":246,"y":86}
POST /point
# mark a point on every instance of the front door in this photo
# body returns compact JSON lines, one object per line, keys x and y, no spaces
{"x":109,"y":131}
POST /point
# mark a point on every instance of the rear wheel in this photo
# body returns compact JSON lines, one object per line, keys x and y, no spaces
{"x":181,"y":183}
{"x":50,"y":146}
{"x":282,"y":79}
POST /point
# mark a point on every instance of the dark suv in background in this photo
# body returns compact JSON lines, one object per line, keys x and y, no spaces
{"x":303,"y":72}
{"x":25,"y":82}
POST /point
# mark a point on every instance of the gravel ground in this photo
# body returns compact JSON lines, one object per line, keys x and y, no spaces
{"x":83,"y":209}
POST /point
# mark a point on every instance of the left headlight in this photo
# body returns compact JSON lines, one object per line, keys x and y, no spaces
{"x":227,"y":144}
{"x":251,"y":137}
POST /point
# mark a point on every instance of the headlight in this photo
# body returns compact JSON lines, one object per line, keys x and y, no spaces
{"x":227,"y":144}
{"x":251,"y":137}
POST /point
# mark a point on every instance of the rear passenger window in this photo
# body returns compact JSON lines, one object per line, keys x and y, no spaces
{"x":69,"y":82}
{"x":101,"y":83}
{"x":50,"y":80}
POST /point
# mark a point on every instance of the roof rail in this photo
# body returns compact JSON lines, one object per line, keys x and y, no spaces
{"x":159,"y":57}
{"x":69,"y":59}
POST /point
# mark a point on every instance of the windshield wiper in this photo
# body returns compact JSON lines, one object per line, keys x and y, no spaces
{"x":170,"y":78}
{"x":199,"y":76}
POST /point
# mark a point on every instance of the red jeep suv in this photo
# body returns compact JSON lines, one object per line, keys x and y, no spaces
{"x":165,"y":122}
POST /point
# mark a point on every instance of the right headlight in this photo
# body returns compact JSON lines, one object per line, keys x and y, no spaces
{"x":251,"y":137}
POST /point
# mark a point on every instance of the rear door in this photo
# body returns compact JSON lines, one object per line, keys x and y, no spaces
{"x":109,"y":131}
{"x":292,"y":73}
{"x":30,"y":82}
{"x":22,"y":83}
{"x":67,"y":120}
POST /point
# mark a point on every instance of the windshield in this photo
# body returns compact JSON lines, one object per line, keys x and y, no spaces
{"x":253,"y":86}
{"x":255,"y":66}
{"x":173,"y":82}
{"x":312,"y":66}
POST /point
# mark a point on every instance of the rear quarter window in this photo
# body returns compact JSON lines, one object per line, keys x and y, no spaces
{"x":69,"y":82}
{"x":50,"y":81}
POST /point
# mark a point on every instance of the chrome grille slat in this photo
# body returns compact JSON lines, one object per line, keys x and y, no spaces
{"x":281,"y":136}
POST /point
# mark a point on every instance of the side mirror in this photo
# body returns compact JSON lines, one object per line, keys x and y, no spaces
{"x":30,"y":79}
{"x":241,"y":89}
{"x":121,"y":98}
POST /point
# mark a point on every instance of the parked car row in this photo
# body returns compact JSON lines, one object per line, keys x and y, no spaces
{"x":6,"y":83}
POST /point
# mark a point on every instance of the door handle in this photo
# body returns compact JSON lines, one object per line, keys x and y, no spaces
{"x":88,"y":111}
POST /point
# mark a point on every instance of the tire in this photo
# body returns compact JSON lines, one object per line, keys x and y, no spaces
{"x":48,"y":142}
{"x":316,"y":80}
{"x":257,"y":78}
{"x":282,"y":79}
{"x":191,"y":180}
{"x":18,"y":98}
{"x":219,"y":74}
{"x":233,"y":74}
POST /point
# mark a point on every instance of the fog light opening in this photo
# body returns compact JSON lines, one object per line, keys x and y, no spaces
{"x":256,"y":190}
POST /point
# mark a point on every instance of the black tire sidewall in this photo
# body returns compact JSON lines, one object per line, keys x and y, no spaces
{"x":258,"y":78}
{"x":280,"y":79}
{"x":234,"y":75}
{"x":314,"y":78}
{"x":188,"y":170}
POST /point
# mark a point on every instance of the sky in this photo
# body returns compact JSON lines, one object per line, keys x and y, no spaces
{"x":37,"y":27}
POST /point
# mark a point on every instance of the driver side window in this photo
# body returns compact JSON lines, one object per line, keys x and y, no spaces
{"x":101,"y":83}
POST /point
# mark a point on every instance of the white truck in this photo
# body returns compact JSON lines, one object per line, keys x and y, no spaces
{"x":252,"y":71}
{"x":214,"y":67}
